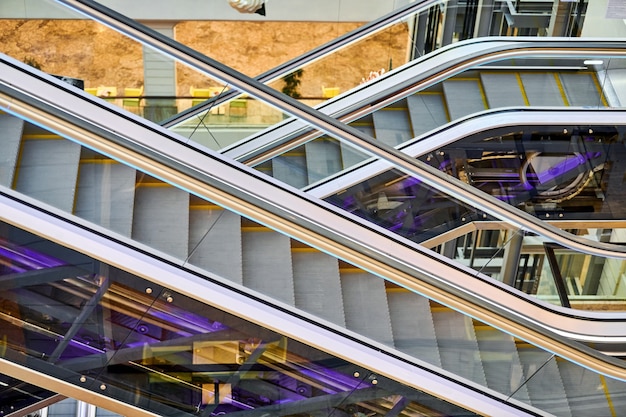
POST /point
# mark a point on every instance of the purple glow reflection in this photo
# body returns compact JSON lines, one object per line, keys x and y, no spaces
{"x":20,"y":259}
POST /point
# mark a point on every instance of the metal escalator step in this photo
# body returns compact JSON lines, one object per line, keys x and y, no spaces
{"x":267,"y":265}
{"x":427,"y":112}
{"x":215,"y":241}
{"x":47,"y":170}
{"x":543,"y":381}
{"x":542,"y":89}
{"x":463,"y":97}
{"x":501,"y":362}
{"x":11,"y":128}
{"x":392,"y":126}
{"x":413,"y":326}
{"x":318,"y":284}
{"x":581,"y":89}
{"x":458,"y":347}
{"x":106,"y":194}
{"x":161,"y":218}
{"x":502,"y":89}
{"x":323,"y":158}
{"x":365,"y":305}
{"x":587,"y":392}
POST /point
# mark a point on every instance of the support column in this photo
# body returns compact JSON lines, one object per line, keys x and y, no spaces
{"x":484,"y":19}
{"x":85,"y":410}
{"x":512,"y":253}
{"x":560,"y":18}
{"x":450,"y":22}
{"x":159,"y":73}
{"x":419,"y":35}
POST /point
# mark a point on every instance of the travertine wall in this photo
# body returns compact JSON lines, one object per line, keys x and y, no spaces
{"x":102,"y":57}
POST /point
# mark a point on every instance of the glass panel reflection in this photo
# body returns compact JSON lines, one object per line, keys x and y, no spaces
{"x":94,"y":325}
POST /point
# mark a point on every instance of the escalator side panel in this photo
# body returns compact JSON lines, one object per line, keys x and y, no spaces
{"x":12,"y":128}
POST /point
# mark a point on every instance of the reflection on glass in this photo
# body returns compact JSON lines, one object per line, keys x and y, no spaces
{"x":552,"y":172}
{"x":95,"y":326}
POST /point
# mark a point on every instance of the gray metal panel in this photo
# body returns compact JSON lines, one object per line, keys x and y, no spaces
{"x":541,"y":89}
{"x":11,"y":128}
{"x":413,"y":327}
{"x":581,"y":89}
{"x":48,"y":171}
{"x":290,"y":169}
{"x":427,"y":112}
{"x":323,"y":158}
{"x":501,"y":363}
{"x":545,"y":388}
{"x":458,"y":347}
{"x":463,"y":97}
{"x":365,"y":304}
{"x":215,"y":242}
{"x":351,"y":156}
{"x":106,"y":195}
{"x":583,"y":388}
{"x":267,"y":264}
{"x":392,"y":126}
{"x":502,"y":89}
{"x":318,"y":285}
{"x":161,"y":218}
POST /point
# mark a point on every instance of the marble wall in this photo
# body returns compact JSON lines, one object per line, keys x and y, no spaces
{"x":102,"y":57}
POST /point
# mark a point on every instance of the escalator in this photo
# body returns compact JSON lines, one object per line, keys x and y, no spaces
{"x":417,"y":114}
{"x":189,"y":231}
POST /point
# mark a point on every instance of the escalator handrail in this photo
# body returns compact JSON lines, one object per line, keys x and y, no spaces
{"x":148,"y":147}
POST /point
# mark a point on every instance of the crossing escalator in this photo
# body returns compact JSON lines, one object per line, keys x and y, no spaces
{"x":136,"y":203}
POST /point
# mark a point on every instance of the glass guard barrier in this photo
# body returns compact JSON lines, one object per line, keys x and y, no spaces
{"x":95,"y":326}
{"x":130,"y":78}
{"x":124,"y":73}
{"x":195,"y":232}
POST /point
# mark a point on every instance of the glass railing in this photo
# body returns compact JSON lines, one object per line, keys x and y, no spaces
{"x":194,"y":232}
{"x":170,"y":88}
{"x":536,"y":266}
{"x":126,"y":74}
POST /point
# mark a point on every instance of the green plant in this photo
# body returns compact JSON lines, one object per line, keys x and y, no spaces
{"x":29,"y":60}
{"x":292,"y":82}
